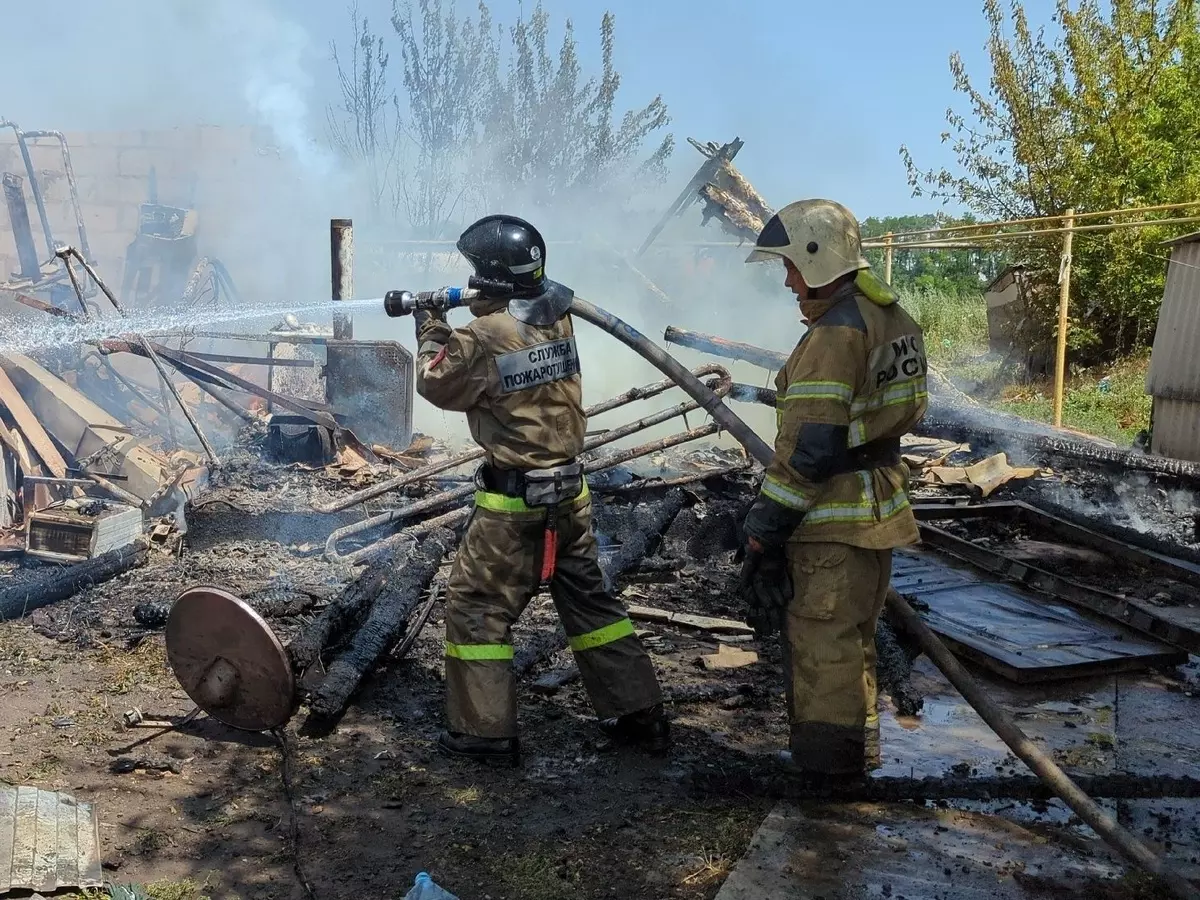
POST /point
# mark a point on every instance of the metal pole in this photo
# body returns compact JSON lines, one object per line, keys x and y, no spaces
{"x":887,"y":257}
{"x":1064,"y":300}
{"x":64,"y":254}
{"x":341,"y":264}
{"x":18,"y":213}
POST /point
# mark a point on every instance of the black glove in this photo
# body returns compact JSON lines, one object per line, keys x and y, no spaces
{"x":765,"y":587}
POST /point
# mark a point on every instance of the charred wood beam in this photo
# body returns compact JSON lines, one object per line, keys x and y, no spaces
{"x":949,"y":424}
{"x":771,"y":782}
{"x":718,"y":346}
{"x":340,"y":616}
{"x":20,"y":599}
{"x":378,"y":634}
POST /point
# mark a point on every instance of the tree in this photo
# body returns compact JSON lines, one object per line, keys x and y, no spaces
{"x":444,"y":64}
{"x":489,"y":117}
{"x":359,"y":129}
{"x":1104,"y":117}
{"x":550,"y":135}
{"x":955,"y":272}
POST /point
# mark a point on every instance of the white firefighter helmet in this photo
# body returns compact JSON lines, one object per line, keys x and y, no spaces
{"x":820,"y":237}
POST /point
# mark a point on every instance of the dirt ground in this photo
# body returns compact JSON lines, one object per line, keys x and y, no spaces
{"x":375,"y":803}
{"x":204,"y":813}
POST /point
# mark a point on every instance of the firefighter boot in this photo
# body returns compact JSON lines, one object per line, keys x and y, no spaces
{"x":647,"y":727}
{"x":504,"y":751}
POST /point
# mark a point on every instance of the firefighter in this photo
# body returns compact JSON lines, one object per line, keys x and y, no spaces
{"x":514,"y":371}
{"x":833,"y":502}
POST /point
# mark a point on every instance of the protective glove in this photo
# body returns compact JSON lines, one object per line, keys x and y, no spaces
{"x":425,"y":319}
{"x":765,"y":587}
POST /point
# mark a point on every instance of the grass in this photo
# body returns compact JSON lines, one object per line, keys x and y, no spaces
{"x":1106,"y":401}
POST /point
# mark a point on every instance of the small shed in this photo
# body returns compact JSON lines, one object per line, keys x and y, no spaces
{"x":1005,"y":298}
{"x":1174,"y":377}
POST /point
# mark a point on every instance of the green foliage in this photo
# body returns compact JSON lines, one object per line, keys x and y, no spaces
{"x":1107,"y":401}
{"x":933,"y":271}
{"x":1106,"y":116}
{"x":954,"y":323}
{"x":488,"y":116}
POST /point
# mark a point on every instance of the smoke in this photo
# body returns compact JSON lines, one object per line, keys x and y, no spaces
{"x":237,"y":63}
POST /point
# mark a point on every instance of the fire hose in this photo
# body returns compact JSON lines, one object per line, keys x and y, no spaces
{"x":722,"y":382}
{"x":1126,"y":843}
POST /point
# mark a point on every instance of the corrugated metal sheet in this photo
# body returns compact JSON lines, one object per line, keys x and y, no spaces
{"x":1174,"y":363}
{"x":1014,"y":632}
{"x":1176,"y":429}
{"x":48,"y":841}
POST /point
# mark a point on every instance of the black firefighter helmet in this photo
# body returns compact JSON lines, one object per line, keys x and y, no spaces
{"x":509,"y":258}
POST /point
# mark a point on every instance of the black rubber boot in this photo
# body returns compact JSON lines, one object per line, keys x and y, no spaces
{"x":501,"y":751}
{"x":647,"y":728}
{"x":827,"y":783}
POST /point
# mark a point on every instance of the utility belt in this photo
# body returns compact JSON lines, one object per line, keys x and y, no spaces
{"x":878,"y":454}
{"x":538,"y":489}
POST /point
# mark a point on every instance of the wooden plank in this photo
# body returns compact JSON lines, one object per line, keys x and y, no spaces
{"x":31,"y":428}
{"x":704,"y":623}
{"x":1014,"y":633}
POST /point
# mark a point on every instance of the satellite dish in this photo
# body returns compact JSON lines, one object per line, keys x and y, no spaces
{"x":229,"y":661}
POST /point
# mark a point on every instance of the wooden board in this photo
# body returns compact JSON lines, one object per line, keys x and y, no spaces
{"x":1016,"y":633}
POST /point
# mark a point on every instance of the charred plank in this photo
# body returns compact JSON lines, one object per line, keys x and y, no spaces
{"x":403,"y":590}
{"x":20,"y":599}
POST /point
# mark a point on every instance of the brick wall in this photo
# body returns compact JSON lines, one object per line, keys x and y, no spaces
{"x":227,"y":174}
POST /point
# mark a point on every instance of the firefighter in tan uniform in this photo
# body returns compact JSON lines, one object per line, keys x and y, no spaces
{"x":834,"y":501}
{"x":514,"y":371}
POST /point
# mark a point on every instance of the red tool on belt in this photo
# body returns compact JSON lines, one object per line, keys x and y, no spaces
{"x":550,"y":547}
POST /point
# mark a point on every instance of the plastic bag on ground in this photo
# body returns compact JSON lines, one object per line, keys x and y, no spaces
{"x":424,"y":889}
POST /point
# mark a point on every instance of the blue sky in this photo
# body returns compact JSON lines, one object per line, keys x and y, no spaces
{"x":823,"y":93}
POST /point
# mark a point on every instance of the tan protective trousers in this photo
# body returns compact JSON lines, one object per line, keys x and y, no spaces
{"x":838,"y":594}
{"x":496,"y":573}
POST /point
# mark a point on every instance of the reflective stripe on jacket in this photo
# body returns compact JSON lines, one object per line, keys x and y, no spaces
{"x":857,"y":376}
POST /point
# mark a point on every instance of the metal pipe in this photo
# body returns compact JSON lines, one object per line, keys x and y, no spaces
{"x":39,"y":305}
{"x":69,"y":170}
{"x":718,"y":346}
{"x":749,"y":393}
{"x":341,"y":266}
{"x":438,"y":500}
{"x":38,"y":200}
{"x":87,"y":267}
{"x":64,"y":255}
{"x":638,"y":393}
{"x":673,"y":369}
{"x":1029,"y":753}
{"x":458,"y":516}
{"x":999,"y":721}
{"x":18,"y":214}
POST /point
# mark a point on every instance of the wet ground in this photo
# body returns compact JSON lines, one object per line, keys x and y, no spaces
{"x":208,"y":813}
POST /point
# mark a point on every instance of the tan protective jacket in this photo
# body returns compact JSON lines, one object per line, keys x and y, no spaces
{"x":518,"y":384}
{"x":858,"y":376}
